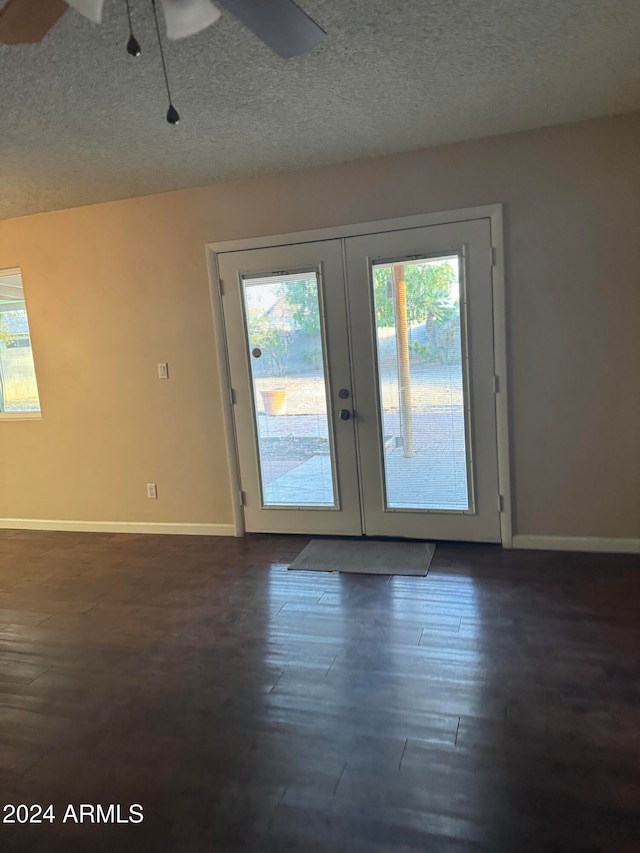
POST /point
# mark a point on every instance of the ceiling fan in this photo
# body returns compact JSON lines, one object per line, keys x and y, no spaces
{"x":281,"y":24}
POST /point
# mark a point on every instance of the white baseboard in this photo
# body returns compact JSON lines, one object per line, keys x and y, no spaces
{"x":118,"y":526}
{"x":577,"y":543}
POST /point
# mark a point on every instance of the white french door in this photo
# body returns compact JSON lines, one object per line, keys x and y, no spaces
{"x":288,"y":352}
{"x":362,"y":371}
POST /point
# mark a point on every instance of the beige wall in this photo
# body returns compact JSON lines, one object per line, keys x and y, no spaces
{"x":113,"y":289}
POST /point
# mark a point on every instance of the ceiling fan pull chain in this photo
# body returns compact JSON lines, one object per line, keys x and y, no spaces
{"x":173,"y":116}
{"x":133,"y":45}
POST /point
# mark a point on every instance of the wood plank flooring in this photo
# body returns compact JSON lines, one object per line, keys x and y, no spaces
{"x":492,"y":706}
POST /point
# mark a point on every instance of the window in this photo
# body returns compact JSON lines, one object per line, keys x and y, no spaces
{"x":18,"y":387}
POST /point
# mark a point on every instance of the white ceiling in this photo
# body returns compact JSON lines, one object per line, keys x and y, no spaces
{"x":83,"y":122}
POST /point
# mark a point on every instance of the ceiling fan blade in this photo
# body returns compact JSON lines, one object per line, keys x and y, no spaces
{"x":28,"y":21}
{"x":91,"y":9}
{"x":188,"y":17}
{"x":281,"y":24}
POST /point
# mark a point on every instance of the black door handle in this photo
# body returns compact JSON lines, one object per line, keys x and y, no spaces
{"x":345,"y":414}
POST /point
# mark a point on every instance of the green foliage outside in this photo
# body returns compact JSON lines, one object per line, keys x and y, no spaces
{"x":424,"y":351}
{"x":298,"y":304}
{"x":5,"y":335}
{"x":428,"y":290}
{"x":428,"y":301}
{"x":313,"y":357}
{"x":428,"y":287}
{"x":272,"y":340}
{"x":302,"y":299}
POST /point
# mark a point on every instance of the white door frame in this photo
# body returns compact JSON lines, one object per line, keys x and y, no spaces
{"x":494,"y":213}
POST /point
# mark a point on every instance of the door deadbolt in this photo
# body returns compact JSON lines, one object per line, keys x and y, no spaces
{"x":343,"y":393}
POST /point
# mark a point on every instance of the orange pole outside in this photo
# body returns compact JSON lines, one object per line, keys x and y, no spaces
{"x":402,"y":348}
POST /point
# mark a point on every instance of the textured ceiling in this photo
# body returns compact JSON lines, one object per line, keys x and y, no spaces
{"x":82,"y":122}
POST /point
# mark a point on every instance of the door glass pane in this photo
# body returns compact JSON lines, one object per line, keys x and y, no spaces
{"x":286,"y":354}
{"x":420,"y":375}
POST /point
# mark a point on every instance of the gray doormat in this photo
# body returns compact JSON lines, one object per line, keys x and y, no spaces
{"x":365,"y":557}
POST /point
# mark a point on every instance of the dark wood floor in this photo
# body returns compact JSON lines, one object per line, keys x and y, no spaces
{"x":493,"y":705}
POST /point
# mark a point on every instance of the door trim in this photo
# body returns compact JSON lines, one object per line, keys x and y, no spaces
{"x":224,"y":378}
{"x":493,"y":212}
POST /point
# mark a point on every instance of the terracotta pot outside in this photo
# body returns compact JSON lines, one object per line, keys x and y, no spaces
{"x":275,"y":402}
